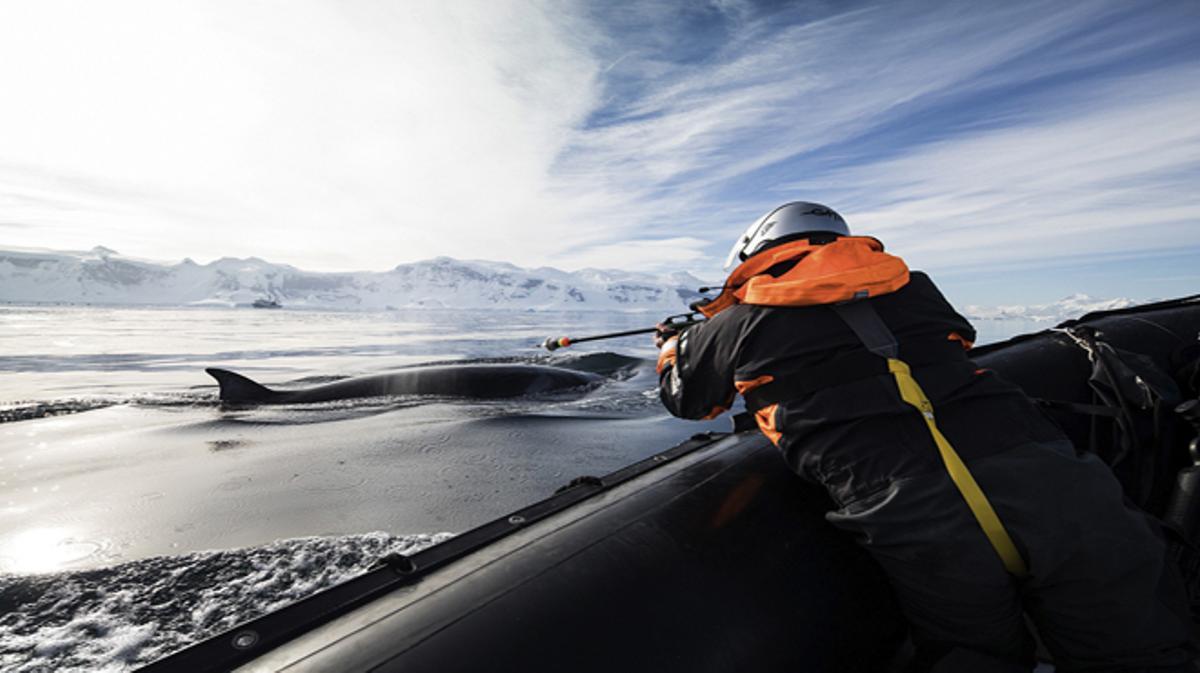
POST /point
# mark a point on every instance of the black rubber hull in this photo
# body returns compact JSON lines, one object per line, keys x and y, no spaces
{"x":711,"y":568}
{"x":1050,"y":365}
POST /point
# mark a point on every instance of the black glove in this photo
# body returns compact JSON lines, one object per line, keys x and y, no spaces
{"x":663,"y":333}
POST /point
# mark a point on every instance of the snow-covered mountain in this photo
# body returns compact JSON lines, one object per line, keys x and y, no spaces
{"x":1054,"y":312}
{"x":102,"y":276}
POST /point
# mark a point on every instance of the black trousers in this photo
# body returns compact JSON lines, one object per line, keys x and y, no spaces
{"x":1100,"y":591}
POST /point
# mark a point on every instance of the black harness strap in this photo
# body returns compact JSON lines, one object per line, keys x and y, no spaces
{"x":870,"y":328}
{"x":857,"y":365}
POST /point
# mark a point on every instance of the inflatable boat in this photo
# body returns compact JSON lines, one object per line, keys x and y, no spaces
{"x":711,"y":555}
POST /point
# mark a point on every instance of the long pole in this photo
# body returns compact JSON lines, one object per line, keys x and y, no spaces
{"x":552,"y":344}
{"x":679,"y":322}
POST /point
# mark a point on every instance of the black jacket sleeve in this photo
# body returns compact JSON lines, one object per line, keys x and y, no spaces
{"x":925,"y":306}
{"x":700,"y":382}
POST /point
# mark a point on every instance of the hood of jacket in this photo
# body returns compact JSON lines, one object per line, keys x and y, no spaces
{"x":806,"y":274}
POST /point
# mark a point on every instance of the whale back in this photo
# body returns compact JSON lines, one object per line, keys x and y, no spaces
{"x":483,"y":381}
{"x":490,"y":380}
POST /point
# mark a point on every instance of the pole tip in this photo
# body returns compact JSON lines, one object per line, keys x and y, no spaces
{"x":552,"y":344}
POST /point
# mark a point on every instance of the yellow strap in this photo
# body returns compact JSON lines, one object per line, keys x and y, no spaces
{"x":911,"y":392}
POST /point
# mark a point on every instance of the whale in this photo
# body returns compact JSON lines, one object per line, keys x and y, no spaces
{"x":479,"y":381}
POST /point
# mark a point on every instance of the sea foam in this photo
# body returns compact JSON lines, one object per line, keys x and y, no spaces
{"x":128,"y":615}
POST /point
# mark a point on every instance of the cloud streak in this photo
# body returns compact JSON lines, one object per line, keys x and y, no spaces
{"x":1105,"y":171}
{"x":359,"y":135}
{"x":777,"y":104}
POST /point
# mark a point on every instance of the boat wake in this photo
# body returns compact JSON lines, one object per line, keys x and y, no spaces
{"x":125,"y":616}
{"x":34,"y":409}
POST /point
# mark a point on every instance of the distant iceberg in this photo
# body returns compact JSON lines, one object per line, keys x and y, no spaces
{"x":1054,"y":312}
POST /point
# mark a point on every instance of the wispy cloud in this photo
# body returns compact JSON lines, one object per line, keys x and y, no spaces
{"x":636,"y":253}
{"x":775,"y":104}
{"x":359,"y":135}
{"x":1107,"y":170}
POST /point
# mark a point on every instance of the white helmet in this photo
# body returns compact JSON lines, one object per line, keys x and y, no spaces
{"x":790,"y":219}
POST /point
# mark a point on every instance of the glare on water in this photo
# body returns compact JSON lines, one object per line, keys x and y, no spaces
{"x":43,"y":549}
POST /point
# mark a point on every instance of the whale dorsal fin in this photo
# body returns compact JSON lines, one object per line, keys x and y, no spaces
{"x":238,"y":388}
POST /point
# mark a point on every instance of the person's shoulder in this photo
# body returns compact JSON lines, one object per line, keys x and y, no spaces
{"x":921,"y":289}
{"x":733,"y":314}
{"x":919,"y":281}
{"x":735,"y":319}
{"x":919,"y":276}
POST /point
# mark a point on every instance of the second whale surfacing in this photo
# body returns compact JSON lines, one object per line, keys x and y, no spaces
{"x":480,"y":381}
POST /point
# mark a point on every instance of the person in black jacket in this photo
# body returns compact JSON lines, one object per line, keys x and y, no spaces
{"x":974,"y":503}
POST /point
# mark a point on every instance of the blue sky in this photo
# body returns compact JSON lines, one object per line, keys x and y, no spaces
{"x":1019,"y":151}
